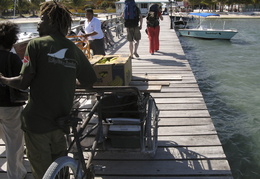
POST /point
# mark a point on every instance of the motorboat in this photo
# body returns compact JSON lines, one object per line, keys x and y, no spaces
{"x":180,"y":22}
{"x":23,"y":36}
{"x":202,"y":31}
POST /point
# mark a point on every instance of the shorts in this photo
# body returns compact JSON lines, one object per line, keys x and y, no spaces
{"x":97,"y":46}
{"x":133,"y":33}
{"x":43,"y":149}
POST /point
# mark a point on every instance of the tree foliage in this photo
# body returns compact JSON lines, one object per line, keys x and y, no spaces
{"x":4,"y":5}
{"x":22,"y":6}
{"x":33,"y":5}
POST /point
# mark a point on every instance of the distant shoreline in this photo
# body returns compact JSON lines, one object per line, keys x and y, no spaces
{"x":29,"y":20}
{"x":21,"y":20}
{"x":246,"y":15}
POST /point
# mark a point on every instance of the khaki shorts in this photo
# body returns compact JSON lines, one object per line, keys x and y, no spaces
{"x":133,"y":33}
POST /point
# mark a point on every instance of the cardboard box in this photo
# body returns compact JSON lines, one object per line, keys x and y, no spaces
{"x":115,"y":73}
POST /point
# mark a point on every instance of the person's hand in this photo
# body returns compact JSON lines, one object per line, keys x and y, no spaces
{"x":1,"y":79}
{"x":86,"y":36}
{"x":1,"y":76}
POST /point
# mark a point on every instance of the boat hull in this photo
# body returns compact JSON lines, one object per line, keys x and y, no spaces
{"x":208,"y":34}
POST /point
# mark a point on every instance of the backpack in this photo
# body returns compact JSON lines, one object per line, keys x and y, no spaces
{"x":152,"y":17}
{"x":131,"y":14}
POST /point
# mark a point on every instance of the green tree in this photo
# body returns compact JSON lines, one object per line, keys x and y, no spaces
{"x":194,"y":2}
{"x":35,"y":6}
{"x":22,"y":5}
{"x":76,"y":4}
{"x":210,"y":3}
{"x":221,"y":4}
{"x":256,"y":3}
{"x":4,"y":5}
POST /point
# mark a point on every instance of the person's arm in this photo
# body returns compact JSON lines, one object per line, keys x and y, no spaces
{"x":90,"y":34}
{"x":160,"y":15}
{"x":86,"y":75}
{"x":18,"y":82}
{"x":141,"y":20}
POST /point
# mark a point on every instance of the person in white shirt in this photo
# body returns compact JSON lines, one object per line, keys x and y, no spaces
{"x":94,"y":33}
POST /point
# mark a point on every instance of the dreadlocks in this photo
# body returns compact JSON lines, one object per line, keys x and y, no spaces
{"x":58,"y":15}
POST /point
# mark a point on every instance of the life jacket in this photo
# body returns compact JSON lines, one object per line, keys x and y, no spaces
{"x":152,"y":17}
{"x":131,"y":14}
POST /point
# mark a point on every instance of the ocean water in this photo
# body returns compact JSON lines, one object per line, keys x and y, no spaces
{"x":32,"y":27}
{"x":228,"y":73}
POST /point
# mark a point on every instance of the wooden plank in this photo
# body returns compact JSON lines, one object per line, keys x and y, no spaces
{"x":181,"y":106}
{"x":149,"y":88}
{"x":3,"y":175}
{"x":185,"y":113}
{"x":164,"y":177}
{"x":162,"y":68}
{"x":167,"y":89}
{"x":179,"y":100}
{"x":188,"y":140}
{"x":191,"y":94}
{"x":151,"y":77}
{"x":169,"y":121}
{"x":187,"y":130}
{"x":184,"y":85}
{"x":164,"y":168}
{"x":163,"y":153}
{"x":141,"y":83}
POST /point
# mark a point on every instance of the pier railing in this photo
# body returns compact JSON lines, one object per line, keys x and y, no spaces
{"x":112,"y":26}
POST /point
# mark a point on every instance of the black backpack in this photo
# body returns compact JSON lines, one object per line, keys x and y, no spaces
{"x":131,"y":20}
{"x":152,"y":17}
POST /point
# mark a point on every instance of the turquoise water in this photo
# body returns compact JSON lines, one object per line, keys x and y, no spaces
{"x":228,"y":73}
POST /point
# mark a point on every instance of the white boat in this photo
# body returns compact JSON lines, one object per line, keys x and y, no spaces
{"x":23,"y":36}
{"x":208,"y":33}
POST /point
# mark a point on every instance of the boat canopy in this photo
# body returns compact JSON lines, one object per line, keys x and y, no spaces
{"x":204,"y":14}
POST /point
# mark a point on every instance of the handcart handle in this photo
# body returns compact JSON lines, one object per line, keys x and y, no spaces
{"x":108,"y":89}
{"x":115,"y":89}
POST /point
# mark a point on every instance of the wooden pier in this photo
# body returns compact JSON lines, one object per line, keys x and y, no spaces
{"x":188,"y":145}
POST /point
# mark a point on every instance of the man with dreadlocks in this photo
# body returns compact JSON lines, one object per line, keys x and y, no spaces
{"x":50,"y":68}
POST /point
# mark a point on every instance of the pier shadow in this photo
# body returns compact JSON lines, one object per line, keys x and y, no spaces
{"x":171,"y":159}
{"x":162,"y":58}
{"x":118,"y":44}
{"x":162,"y":62}
{"x":174,"y":55}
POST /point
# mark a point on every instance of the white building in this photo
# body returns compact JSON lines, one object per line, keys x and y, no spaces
{"x":142,"y":4}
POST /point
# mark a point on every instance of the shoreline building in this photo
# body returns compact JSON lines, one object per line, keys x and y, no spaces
{"x":144,"y":5}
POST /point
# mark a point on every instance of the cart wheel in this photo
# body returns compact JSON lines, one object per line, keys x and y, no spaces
{"x":63,"y":167}
{"x":151,"y":127}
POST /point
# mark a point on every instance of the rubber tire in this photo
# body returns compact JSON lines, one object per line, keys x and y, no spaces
{"x":152,"y":128}
{"x":59,"y":164}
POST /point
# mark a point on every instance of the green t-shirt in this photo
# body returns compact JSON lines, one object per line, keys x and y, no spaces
{"x":55,"y":62}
